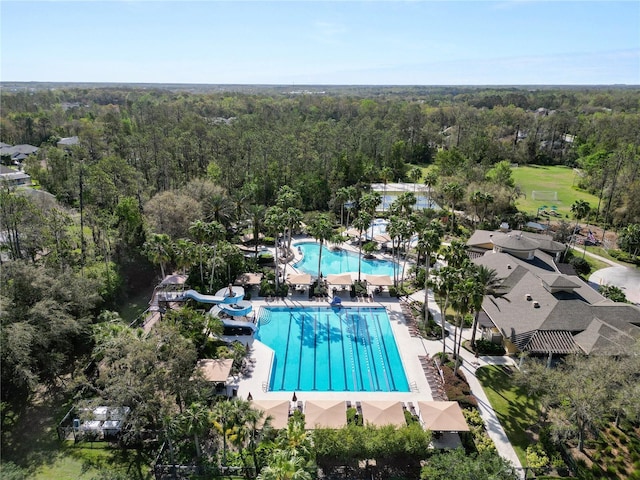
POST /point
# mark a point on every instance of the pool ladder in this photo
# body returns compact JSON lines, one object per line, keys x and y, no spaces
{"x":265,"y":319}
{"x":414,"y":387}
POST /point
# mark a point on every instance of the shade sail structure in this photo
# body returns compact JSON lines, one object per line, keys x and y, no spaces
{"x":379,"y":280}
{"x":339,"y":279}
{"x":278,"y":410}
{"x":325,"y":414}
{"x":249,"y":279}
{"x":215,"y":370}
{"x":442,"y":417}
{"x":299,"y":279}
{"x":383,"y":413}
{"x":382,"y":238}
{"x":352,"y":232}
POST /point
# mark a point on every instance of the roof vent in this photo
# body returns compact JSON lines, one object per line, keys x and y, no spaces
{"x":528,"y":297}
{"x":509,"y":267}
{"x":536,"y":305}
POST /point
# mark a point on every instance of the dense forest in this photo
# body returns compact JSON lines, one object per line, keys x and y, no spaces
{"x":171,"y":177}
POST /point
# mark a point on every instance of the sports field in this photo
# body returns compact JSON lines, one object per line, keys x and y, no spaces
{"x":562,"y":180}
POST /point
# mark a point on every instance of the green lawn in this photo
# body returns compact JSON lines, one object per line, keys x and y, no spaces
{"x":29,"y":440}
{"x":561,"y":179}
{"x":514,"y":408}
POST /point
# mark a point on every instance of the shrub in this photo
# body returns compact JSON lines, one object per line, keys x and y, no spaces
{"x":485,"y":347}
{"x":581,"y":266}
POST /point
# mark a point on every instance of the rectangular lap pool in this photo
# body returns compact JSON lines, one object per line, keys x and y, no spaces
{"x":331,"y":349}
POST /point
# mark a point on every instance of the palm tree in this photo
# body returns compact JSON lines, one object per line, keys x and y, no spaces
{"x":368,"y":203}
{"x":158,"y":249}
{"x":455,"y":254}
{"x":183,"y":250}
{"x":283,"y":467}
{"x":464,"y":293}
{"x":453,"y":193}
{"x":488,"y":279}
{"x":293,"y":218}
{"x":476,"y":200}
{"x":361,"y":222}
{"x":341,"y":196}
{"x":386,"y":174}
{"x":320,"y":229}
{"x":223,"y":415}
{"x":256,"y":216}
{"x":394,"y":231}
{"x":351,"y":197}
{"x":220,"y":208}
{"x":195,"y":421}
{"x":430,"y":180}
{"x":415,"y":174}
{"x":216,"y":233}
{"x":275,"y":221}
{"x":429,"y":241}
{"x":443,"y":285}
{"x":580,"y":209}
{"x":244,"y":431}
{"x":200,"y":233}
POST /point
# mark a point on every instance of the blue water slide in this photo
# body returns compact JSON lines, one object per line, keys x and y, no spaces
{"x":222,"y":296}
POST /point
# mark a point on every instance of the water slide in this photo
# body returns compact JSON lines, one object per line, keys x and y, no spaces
{"x":221,"y":297}
{"x":240,"y":309}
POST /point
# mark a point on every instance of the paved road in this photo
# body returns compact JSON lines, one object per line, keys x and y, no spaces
{"x":627,"y":279}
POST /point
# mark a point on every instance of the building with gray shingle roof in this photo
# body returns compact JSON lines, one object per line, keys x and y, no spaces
{"x":17,"y":153}
{"x":541,"y":311}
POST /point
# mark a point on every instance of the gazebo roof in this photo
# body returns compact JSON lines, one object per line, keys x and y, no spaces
{"x":215,"y":370}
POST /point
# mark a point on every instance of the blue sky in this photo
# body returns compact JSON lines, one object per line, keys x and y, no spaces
{"x":328,"y":42}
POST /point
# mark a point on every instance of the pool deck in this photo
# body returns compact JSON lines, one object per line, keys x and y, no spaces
{"x":410,"y":348}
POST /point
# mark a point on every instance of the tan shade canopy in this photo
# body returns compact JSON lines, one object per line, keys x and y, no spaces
{"x":339,"y":279}
{"x":299,"y":279}
{"x":249,"y":279}
{"x":352,"y":232}
{"x":442,"y":417}
{"x":278,"y":410}
{"x":382,"y":238}
{"x":383,"y":413}
{"x":379,"y":280}
{"x":325,"y":414}
{"x":215,"y":370}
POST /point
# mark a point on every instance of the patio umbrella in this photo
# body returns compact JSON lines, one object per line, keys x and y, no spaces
{"x":379,"y":280}
{"x":352,"y":232}
{"x":325,"y":414}
{"x":299,"y":279}
{"x":442,"y":417}
{"x":339,"y":279}
{"x":278,"y":410}
{"x":383,"y":413}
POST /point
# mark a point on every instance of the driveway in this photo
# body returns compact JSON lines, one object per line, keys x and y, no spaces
{"x":625,"y":278}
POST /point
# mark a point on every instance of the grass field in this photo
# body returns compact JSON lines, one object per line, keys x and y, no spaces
{"x":514,"y":408}
{"x":30,"y":441}
{"x":550,"y":178}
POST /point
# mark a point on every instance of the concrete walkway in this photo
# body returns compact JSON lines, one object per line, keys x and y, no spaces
{"x":469,"y":366}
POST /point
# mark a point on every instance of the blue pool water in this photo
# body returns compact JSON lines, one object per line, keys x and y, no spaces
{"x":338,"y":261}
{"x":331,"y":349}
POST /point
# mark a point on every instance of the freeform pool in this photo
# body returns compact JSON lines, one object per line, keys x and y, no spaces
{"x":338,"y":261}
{"x":331,"y":349}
